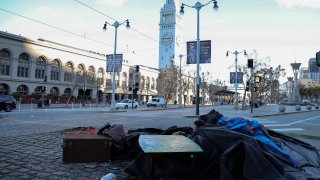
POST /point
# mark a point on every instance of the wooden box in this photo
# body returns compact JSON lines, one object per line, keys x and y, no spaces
{"x":84,"y":148}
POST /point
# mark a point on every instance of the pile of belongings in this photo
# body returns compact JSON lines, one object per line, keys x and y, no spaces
{"x":233,"y":148}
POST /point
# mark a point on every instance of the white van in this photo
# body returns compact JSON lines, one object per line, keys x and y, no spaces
{"x":156,"y":102}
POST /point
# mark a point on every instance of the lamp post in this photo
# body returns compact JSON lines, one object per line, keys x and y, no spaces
{"x":236,"y":78}
{"x":198,"y":6}
{"x":180,"y":83}
{"x":116,"y":24}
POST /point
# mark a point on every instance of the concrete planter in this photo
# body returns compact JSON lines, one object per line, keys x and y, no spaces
{"x":309,"y":107}
{"x":298,"y":107}
{"x":316,"y":106}
{"x":282,"y":108}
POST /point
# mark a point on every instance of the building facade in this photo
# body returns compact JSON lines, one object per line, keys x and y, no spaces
{"x":314,"y":70}
{"x":30,"y":67}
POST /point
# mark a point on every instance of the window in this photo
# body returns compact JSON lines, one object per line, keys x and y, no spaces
{"x":108,"y":79}
{"x":80,"y":74}
{"x":68,"y":71}
{"x":117,"y":82}
{"x":124,"y":80}
{"x":91,"y":75}
{"x":153,"y":83}
{"x":100,"y":76}
{"x":40,"y":67}
{"x":23,"y":65}
{"x":22,"y":89}
{"x":55,"y":70}
{"x":5,"y":61}
{"x":148,"y":83}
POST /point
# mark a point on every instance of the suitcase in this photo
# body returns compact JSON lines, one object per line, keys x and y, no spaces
{"x":85,"y":148}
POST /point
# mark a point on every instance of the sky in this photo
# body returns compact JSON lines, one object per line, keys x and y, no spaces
{"x":284,"y":30}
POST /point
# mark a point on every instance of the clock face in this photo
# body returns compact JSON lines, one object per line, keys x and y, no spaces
{"x":166,"y":39}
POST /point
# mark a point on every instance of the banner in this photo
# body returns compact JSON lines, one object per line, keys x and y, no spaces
{"x":119,"y":59}
{"x":233,"y":77}
{"x":205,"y":52}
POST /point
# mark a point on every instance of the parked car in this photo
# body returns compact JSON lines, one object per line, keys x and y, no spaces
{"x":156,"y":102}
{"x":126,"y":103}
{"x":7,"y":103}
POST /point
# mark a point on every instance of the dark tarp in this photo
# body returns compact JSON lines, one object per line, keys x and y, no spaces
{"x":232,"y":155}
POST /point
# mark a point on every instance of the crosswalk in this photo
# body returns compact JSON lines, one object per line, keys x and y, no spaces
{"x":276,"y":126}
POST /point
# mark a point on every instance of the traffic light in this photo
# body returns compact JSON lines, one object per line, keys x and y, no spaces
{"x":137,"y":84}
{"x":247,"y":84}
{"x":45,"y":78}
{"x":257,"y":79}
{"x":136,"y":89}
{"x":318,"y":58}
{"x":137,"y":68}
{"x":247,"y":88}
{"x":250,"y":63}
{"x":130,"y":88}
{"x":255,"y":89}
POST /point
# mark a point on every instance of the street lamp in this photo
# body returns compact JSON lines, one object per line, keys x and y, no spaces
{"x":180,"y":83}
{"x":116,"y":24}
{"x":198,"y":6}
{"x":236,"y":78}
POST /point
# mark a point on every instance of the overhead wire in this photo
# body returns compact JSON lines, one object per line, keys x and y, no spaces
{"x":67,"y":31}
{"x":141,"y":33}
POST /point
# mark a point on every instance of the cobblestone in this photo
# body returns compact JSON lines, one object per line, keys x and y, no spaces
{"x":39,"y":156}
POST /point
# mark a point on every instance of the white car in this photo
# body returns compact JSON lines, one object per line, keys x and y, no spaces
{"x":127,"y":103}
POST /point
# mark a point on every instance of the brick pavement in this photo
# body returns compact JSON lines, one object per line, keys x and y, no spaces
{"x":39,"y":156}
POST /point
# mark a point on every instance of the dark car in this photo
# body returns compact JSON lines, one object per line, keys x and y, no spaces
{"x":7,"y":103}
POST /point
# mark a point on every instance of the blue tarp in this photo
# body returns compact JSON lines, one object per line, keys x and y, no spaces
{"x":251,"y":128}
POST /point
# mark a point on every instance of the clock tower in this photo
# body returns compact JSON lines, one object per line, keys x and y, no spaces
{"x":170,"y":33}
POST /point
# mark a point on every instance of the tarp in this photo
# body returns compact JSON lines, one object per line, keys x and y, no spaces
{"x":232,"y":155}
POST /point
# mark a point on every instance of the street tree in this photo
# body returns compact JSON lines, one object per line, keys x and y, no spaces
{"x":167,"y":82}
{"x":188,"y":80}
{"x":267,"y":89}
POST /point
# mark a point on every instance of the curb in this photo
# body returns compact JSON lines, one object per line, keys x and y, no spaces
{"x":284,"y":113}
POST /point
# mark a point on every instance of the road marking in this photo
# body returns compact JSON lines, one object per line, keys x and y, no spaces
{"x":275,"y":125}
{"x":288,"y":129}
{"x":304,"y":120}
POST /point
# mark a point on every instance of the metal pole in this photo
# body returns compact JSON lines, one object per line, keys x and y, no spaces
{"x":180,"y":83}
{"x":198,"y":60}
{"x":236,"y":82}
{"x":113,"y":101}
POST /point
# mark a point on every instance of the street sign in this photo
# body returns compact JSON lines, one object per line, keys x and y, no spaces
{"x":233,"y":77}
{"x":118,"y":67}
{"x":205,"y":52}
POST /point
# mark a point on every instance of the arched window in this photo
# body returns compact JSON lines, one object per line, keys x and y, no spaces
{"x":80,"y":74}
{"x":124,"y":80}
{"x":117,"y":82}
{"x":5,"y":58}
{"x":148,"y":83}
{"x":23,"y":65}
{"x":55,"y":70}
{"x":108,"y":79}
{"x":142,"y":83}
{"x":91,"y":78}
{"x":67,"y":92}
{"x":100,"y":77}
{"x":4,"y":89}
{"x":153,"y":83}
{"x":22,"y":89}
{"x":55,"y":91}
{"x":68,"y":71}
{"x":40,"y":67}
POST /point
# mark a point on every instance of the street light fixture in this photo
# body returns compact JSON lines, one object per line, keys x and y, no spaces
{"x":198,"y":6}
{"x":116,"y":24}
{"x":236,"y":78}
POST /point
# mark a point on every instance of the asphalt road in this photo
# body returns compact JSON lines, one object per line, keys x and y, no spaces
{"x":30,"y":141}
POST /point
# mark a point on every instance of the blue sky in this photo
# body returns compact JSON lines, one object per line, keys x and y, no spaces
{"x":284,"y":30}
